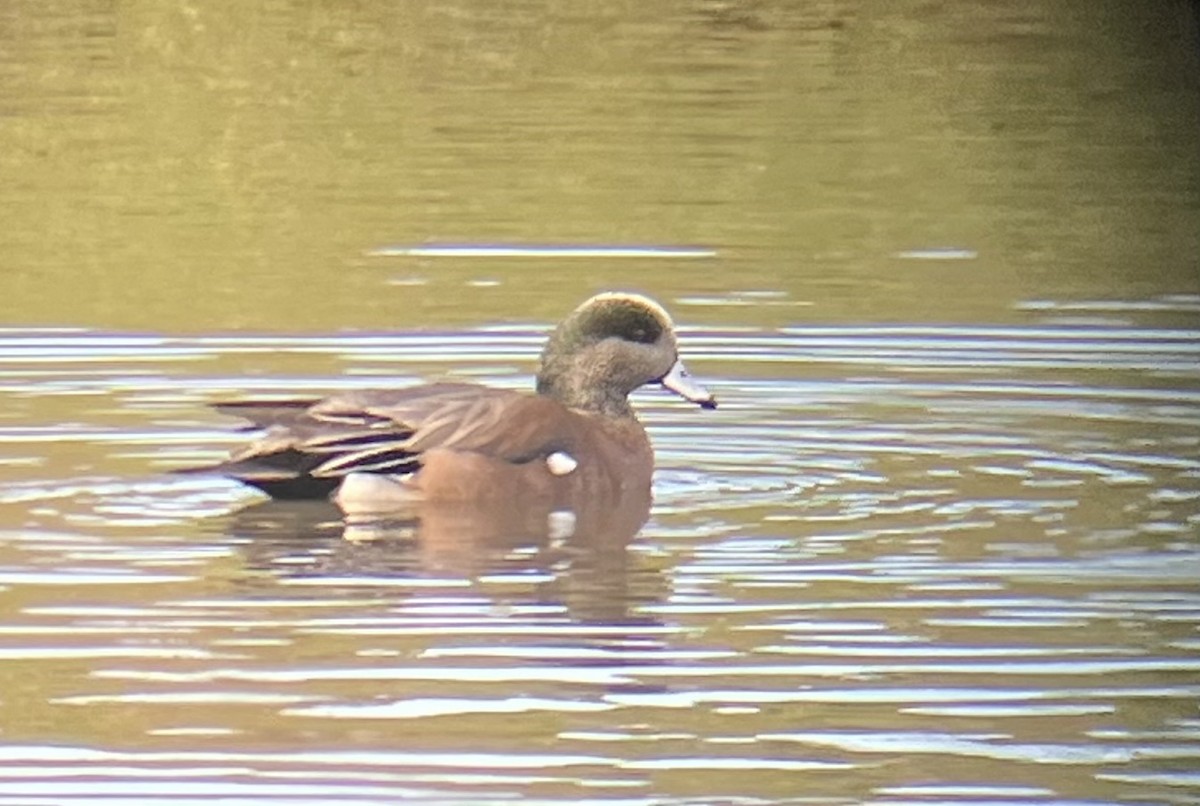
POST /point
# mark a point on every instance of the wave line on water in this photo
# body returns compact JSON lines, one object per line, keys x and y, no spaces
{"x":541,"y":250}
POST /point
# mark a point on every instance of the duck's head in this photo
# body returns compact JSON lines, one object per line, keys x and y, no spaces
{"x":609,"y":346}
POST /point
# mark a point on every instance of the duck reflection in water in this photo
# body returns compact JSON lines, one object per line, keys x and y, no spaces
{"x":463,"y":464}
{"x":294,"y":539}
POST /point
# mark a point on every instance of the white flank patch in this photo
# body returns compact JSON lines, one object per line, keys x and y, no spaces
{"x":560,"y":463}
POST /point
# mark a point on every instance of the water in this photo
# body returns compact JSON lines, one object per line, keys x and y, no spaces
{"x":938,"y":545}
{"x":954,"y":563}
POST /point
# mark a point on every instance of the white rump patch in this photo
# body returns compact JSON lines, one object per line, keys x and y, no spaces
{"x":560,"y":463}
{"x":363,"y":496}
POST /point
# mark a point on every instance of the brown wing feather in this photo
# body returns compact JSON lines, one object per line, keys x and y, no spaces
{"x":512,"y":426}
{"x":309,"y":445}
{"x":263,"y":413}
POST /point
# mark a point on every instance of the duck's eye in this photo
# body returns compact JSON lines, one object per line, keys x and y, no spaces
{"x":621,"y":319}
{"x":641,"y":329}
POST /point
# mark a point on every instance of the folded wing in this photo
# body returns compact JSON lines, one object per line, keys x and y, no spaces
{"x":308,"y":446}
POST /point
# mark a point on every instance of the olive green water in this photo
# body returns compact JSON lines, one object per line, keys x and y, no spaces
{"x":940,"y":261}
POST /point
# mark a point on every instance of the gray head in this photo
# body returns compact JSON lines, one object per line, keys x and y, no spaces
{"x":609,"y":346}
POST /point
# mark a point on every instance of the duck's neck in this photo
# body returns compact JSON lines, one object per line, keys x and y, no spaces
{"x":583,"y":393}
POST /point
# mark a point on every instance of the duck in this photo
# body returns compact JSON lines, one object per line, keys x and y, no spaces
{"x":575,"y":439}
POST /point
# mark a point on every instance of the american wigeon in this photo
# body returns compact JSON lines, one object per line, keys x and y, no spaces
{"x":576,"y":439}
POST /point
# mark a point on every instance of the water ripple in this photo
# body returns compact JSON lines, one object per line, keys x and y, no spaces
{"x":890,"y":547}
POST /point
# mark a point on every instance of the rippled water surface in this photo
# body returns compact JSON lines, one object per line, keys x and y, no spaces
{"x":938,"y":261}
{"x":898,"y":564}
